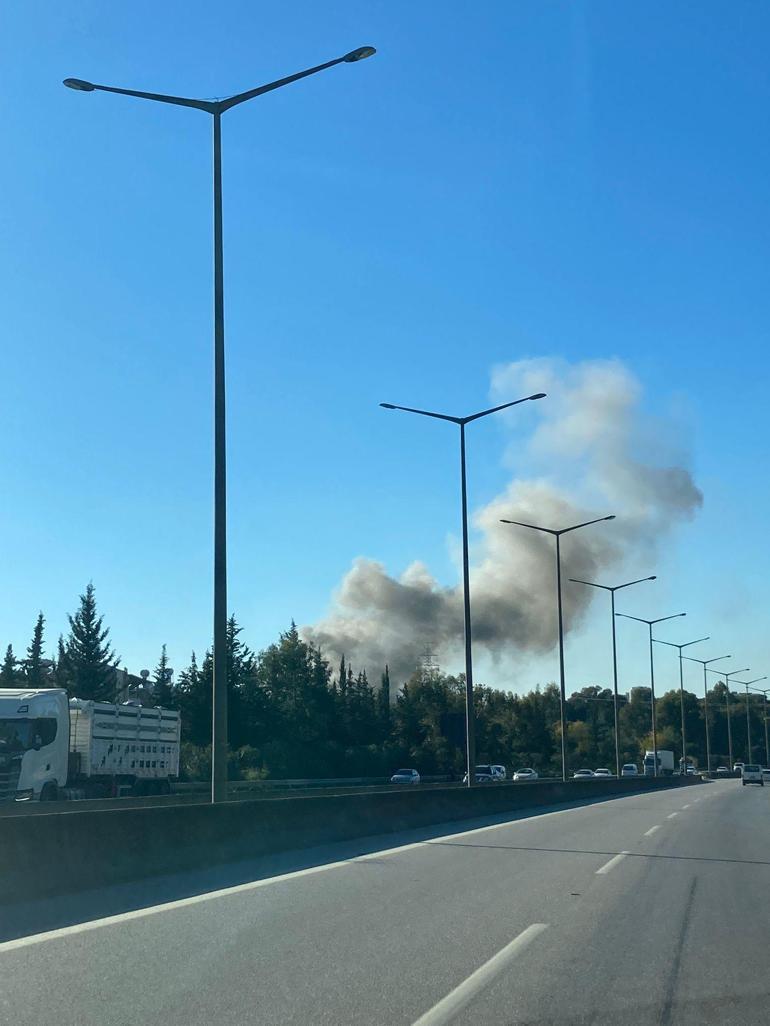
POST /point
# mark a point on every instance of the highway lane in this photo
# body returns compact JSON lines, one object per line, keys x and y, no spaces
{"x":581,"y":915}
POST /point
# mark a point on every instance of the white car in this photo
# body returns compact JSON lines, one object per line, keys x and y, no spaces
{"x":603,"y":773}
{"x":484,"y":775}
{"x":766,"y":775}
{"x":405,"y":776}
{"x":629,"y":769}
{"x":752,"y":774}
{"x":583,"y":774}
{"x":525,"y":774}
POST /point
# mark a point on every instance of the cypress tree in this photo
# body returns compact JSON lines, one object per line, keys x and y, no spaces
{"x":33,"y":668}
{"x":163,"y":689}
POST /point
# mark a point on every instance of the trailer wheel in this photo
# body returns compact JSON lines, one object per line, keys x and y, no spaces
{"x":50,"y":793}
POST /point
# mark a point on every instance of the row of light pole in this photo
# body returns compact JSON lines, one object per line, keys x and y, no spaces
{"x":470,"y":749}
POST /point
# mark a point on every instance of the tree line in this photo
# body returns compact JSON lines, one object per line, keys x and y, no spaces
{"x":291,"y":714}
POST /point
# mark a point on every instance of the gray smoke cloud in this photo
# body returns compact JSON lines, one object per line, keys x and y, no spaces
{"x":593,"y":452}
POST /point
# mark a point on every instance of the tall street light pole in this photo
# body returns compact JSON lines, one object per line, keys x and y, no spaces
{"x":681,"y":690}
{"x":562,"y":687}
{"x":216,"y":108}
{"x":764,"y":691}
{"x":747,"y":684}
{"x":650,"y":625}
{"x":612,"y":590}
{"x":705,"y":664}
{"x":470,"y":727}
{"x":727,"y":677}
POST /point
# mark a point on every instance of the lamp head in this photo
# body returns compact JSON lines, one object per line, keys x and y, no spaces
{"x":359,"y":55}
{"x":79,"y":84}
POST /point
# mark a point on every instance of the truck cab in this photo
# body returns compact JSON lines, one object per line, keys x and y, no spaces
{"x":34,"y":742}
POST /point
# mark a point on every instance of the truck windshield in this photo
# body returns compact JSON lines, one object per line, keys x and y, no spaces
{"x":14,"y":734}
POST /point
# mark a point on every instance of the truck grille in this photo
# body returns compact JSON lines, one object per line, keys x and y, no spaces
{"x":10,"y":767}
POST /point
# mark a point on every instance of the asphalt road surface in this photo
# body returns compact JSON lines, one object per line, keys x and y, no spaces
{"x":652,"y":908}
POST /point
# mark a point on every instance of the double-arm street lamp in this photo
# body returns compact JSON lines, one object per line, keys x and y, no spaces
{"x":747,"y":684}
{"x":216,"y":108}
{"x":687,"y":644}
{"x":727,"y":677}
{"x":705,"y":664}
{"x":562,"y":690}
{"x":612,"y":590}
{"x":650,"y":625}
{"x":764,"y":691}
{"x":470,"y":729}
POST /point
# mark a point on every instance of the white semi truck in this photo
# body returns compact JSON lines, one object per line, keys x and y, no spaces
{"x":52,"y":747}
{"x":665,"y":763}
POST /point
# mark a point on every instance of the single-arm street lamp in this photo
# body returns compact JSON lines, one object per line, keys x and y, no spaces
{"x":727,"y":677}
{"x":612,"y":590}
{"x":746,"y":684}
{"x":687,"y":644}
{"x":217,"y":108}
{"x":705,"y":664}
{"x":470,"y":729}
{"x":562,"y":690}
{"x":650,"y":625}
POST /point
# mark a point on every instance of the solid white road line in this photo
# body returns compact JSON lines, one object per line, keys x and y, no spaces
{"x":459,"y":998}
{"x":673,"y":814}
{"x":648,"y":833}
{"x":686,"y":806}
{"x":611,"y":864}
{"x":225,"y":892}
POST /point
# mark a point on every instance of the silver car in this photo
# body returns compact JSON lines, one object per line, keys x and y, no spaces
{"x":405,"y":776}
{"x":629,"y":769}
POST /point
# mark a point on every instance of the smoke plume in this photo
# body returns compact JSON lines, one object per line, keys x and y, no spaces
{"x":592,"y":453}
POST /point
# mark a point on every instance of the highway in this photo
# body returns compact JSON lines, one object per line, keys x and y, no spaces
{"x":651,"y":908}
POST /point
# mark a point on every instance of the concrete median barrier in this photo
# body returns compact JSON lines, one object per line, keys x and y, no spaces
{"x":47,"y":855}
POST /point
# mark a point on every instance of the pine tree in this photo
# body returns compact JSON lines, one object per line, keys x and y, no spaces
{"x":89,"y":661}
{"x":8,"y":671}
{"x":194,"y":694}
{"x":33,"y":667}
{"x":163,"y":689}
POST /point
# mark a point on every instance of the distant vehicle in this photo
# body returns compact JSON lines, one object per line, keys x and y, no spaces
{"x":665,"y":763}
{"x":766,"y":775}
{"x":582,"y":774}
{"x":405,"y":776}
{"x":484,"y":775}
{"x":692,"y":771}
{"x":723,"y":771}
{"x":738,"y":768}
{"x":688,"y":768}
{"x":603,"y":772}
{"x":53,"y":747}
{"x":525,"y":774}
{"x":629,"y":769}
{"x":499,"y":772}
{"x":752,"y":774}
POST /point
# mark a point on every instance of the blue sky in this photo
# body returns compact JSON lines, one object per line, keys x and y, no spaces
{"x":503,"y":181}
